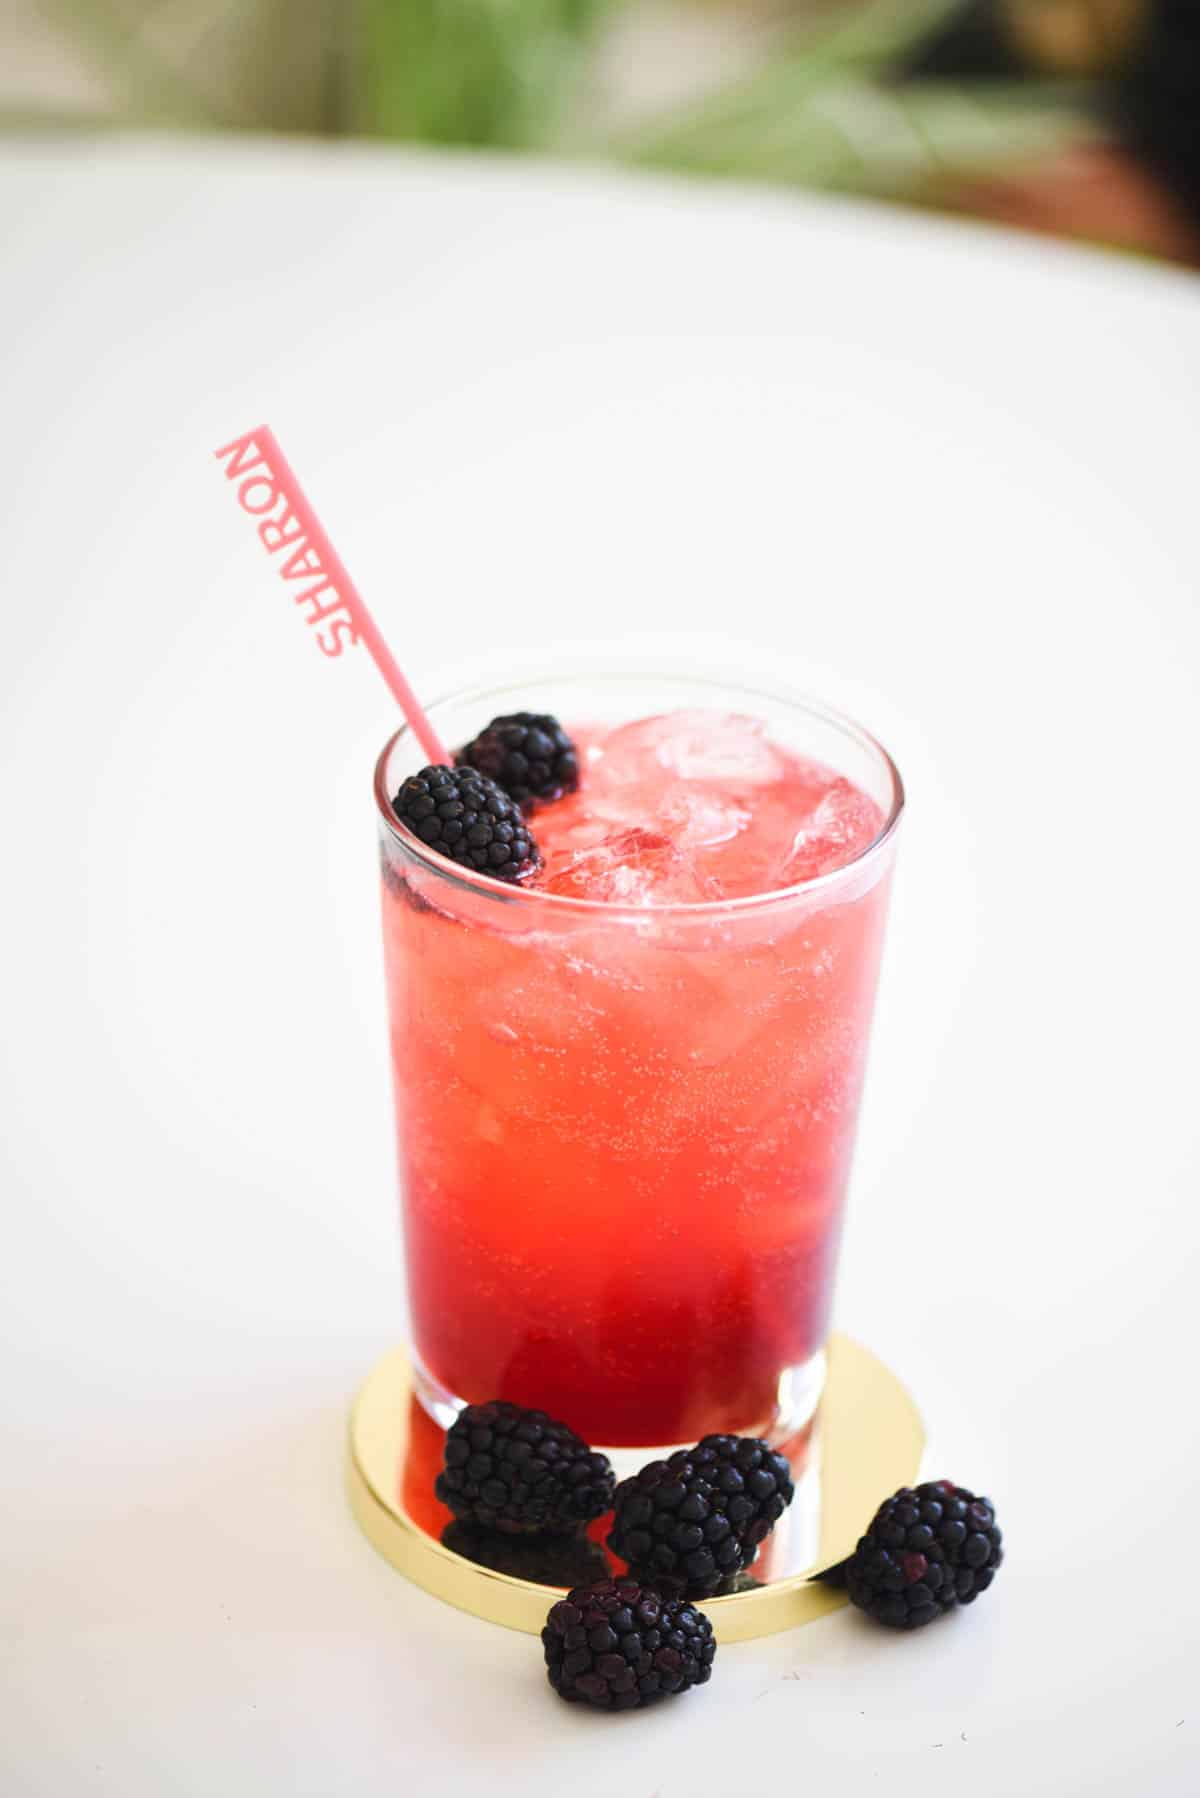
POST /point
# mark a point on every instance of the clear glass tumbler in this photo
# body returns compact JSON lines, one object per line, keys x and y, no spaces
{"x":625,"y":1132}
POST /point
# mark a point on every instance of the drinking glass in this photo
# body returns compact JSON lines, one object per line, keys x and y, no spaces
{"x":625,"y":1132}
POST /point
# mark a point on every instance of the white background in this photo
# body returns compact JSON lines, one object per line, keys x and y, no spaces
{"x":942,"y":476}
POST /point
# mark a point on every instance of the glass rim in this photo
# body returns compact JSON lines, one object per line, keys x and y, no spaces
{"x":564,"y":904}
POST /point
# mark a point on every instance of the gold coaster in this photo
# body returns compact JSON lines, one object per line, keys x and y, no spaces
{"x":866,"y":1441}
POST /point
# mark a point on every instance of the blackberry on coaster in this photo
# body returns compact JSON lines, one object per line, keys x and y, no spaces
{"x":694,"y":1521}
{"x":521,"y":1472}
{"x":545,"y":1560}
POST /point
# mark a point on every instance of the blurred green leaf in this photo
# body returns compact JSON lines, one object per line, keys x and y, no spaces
{"x":827,"y":113}
{"x":860,"y":136}
{"x":469,"y":71}
{"x":825,"y":110}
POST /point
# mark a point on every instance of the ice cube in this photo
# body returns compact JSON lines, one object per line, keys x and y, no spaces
{"x":697,"y":820}
{"x":629,"y":867}
{"x":693,"y":745}
{"x":841,"y":826}
{"x":690,"y":776}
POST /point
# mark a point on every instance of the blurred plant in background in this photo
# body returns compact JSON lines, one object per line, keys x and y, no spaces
{"x":496,"y":72}
{"x":1080,"y":116}
{"x":844,"y":106}
{"x":485,"y":72}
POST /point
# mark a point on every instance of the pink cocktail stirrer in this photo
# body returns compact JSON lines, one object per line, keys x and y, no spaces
{"x":269,"y":492}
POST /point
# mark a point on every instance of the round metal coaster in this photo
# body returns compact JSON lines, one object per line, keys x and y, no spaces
{"x":866,"y":1441}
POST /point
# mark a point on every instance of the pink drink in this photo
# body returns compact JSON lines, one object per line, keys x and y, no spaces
{"x":692,"y":807}
{"x":625,"y":1125}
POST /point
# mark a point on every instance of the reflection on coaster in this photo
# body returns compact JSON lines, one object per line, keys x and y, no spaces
{"x":865,"y":1442}
{"x":558,"y":1561}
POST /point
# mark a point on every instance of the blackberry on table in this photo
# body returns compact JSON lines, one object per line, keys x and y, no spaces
{"x":693,"y":1521}
{"x":926,"y":1550}
{"x":618,"y":1645}
{"x":464,"y":815}
{"x":521,"y":1472}
{"x":529,"y":754}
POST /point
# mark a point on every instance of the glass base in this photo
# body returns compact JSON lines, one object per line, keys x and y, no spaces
{"x":867,"y":1439}
{"x":798,"y":1391}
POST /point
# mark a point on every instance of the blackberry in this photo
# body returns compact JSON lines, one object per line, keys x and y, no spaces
{"x":691,"y":1522}
{"x":617,"y":1645}
{"x":520,"y":1472}
{"x":462,"y":814}
{"x":529,"y":754}
{"x":925,"y":1552}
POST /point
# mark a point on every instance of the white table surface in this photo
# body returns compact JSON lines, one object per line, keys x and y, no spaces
{"x":943,"y":476}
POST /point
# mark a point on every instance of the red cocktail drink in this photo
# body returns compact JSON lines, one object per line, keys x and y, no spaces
{"x":626,"y":1091}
